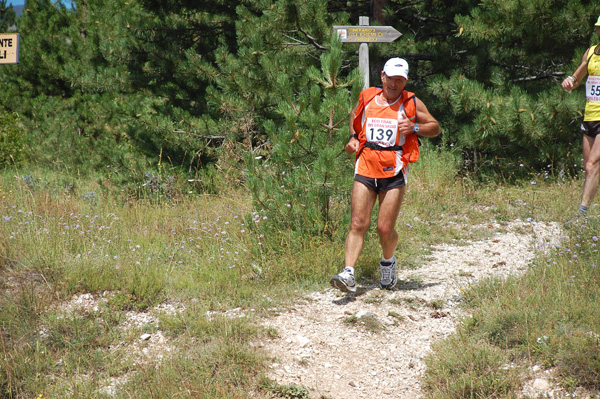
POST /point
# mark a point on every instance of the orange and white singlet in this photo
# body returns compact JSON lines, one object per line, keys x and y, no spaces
{"x":380,"y":131}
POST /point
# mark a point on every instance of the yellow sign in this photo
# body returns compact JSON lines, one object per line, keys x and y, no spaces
{"x":366,"y":34}
{"x":9,"y":48}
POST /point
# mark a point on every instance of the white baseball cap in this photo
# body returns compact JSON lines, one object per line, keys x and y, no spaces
{"x":396,"y":67}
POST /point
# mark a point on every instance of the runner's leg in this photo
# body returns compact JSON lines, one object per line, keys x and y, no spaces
{"x":363,"y":200}
{"x":389,"y":208}
{"x":591,"y":159}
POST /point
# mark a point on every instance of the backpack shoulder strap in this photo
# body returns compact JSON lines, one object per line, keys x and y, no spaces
{"x":411,"y":96}
{"x":364,"y":98}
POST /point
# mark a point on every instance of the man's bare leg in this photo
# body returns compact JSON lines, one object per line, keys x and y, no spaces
{"x":591,"y":159}
{"x":389,"y":208}
{"x":363,"y":201}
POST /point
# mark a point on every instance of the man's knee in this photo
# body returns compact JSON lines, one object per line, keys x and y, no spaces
{"x":386,"y":230}
{"x":359,"y":224}
{"x":592,"y":167}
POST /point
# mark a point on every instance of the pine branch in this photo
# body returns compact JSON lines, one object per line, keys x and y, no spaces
{"x":538,"y":77}
{"x":312,"y":40}
{"x":209,"y":138}
{"x":535,"y":74}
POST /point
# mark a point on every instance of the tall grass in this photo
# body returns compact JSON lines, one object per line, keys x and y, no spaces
{"x":61,"y":237}
{"x":545,"y":318}
{"x":135,"y":248}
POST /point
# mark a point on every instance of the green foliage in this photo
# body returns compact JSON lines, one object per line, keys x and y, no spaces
{"x":503,"y":105}
{"x":504,"y":132}
{"x":7,"y":16}
{"x":578,"y":360}
{"x":12,"y":142}
{"x":476,"y":370}
{"x":305,"y":179}
{"x":193,"y":83}
{"x":291,"y":391}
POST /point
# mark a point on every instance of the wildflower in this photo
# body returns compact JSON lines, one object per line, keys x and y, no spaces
{"x":532,"y":182}
{"x":542,"y":340}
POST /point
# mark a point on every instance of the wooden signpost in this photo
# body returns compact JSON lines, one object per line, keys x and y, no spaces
{"x":9,"y":48}
{"x":364,"y":34}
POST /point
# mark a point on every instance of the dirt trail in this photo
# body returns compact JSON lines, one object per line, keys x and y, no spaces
{"x":326,"y":345}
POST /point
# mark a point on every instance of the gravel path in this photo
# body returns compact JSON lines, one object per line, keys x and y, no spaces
{"x":329,"y":342}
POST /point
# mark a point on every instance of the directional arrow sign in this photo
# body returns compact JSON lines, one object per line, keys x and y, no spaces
{"x":366,"y":34}
{"x":9,"y":48}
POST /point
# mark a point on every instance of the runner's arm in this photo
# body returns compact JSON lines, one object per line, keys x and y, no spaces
{"x":428,"y":125}
{"x":568,"y":84}
{"x":352,"y":145}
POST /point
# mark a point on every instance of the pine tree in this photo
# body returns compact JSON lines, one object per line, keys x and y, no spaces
{"x":286,"y":93}
{"x":307,"y":174}
{"x":7,"y":16}
{"x":71,"y":83}
{"x":500,"y":100}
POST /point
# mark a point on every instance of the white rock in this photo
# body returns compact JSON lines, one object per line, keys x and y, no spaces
{"x":303,"y":342}
{"x":541,"y":384}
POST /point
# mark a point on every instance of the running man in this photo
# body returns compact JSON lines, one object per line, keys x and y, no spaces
{"x":385,"y":128}
{"x":590,"y":65}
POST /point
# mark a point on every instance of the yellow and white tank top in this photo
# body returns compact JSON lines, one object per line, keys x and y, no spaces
{"x":592,"y":87}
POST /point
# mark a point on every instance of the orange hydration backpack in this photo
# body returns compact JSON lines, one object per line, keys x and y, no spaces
{"x":410,"y":149}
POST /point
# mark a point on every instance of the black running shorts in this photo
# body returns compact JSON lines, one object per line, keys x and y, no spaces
{"x":379,"y":185}
{"x":591,"y":128}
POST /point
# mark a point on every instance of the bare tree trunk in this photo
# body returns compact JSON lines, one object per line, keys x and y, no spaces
{"x":377,"y":11}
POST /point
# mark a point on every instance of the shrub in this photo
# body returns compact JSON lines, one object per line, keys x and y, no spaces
{"x":12,"y":144}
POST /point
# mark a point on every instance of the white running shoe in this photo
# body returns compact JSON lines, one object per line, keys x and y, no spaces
{"x":388,"y":274}
{"x":344,"y":281}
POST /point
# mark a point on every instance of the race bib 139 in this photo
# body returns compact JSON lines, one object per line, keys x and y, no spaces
{"x":382,"y":131}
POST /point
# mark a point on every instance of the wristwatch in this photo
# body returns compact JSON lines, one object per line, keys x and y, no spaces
{"x":416,"y":129}
{"x":572,"y":79}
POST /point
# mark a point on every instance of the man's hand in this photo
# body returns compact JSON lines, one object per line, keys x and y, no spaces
{"x":568,"y":84}
{"x":352,"y":145}
{"x":405,"y":126}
